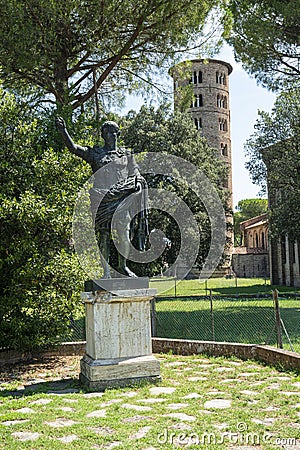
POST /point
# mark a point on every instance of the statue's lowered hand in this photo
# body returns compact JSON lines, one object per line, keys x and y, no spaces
{"x":60,"y":123}
{"x":138,"y":188}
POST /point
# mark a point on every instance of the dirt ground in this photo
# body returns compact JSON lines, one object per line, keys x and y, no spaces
{"x":48,"y":368}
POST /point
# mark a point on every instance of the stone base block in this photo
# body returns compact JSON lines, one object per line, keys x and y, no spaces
{"x":116,"y":284}
{"x":98,"y":375}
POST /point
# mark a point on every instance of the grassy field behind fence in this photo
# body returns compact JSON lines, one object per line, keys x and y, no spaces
{"x":232,"y":319}
{"x":219,"y":286}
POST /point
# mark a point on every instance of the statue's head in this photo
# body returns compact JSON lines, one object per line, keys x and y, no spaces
{"x":109,"y":127}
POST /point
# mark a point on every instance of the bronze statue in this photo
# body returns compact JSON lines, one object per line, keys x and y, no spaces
{"x":111,"y":192}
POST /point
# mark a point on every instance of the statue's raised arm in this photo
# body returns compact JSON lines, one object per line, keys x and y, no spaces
{"x":68,"y":141}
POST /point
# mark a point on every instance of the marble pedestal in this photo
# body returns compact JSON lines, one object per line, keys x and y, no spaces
{"x":118,"y":339}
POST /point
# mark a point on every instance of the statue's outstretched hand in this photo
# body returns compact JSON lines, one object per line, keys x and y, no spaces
{"x":60,"y":123}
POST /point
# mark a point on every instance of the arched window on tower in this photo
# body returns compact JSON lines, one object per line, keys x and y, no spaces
{"x":198,"y":100}
{"x":223,"y":102}
{"x":221,"y":78}
{"x":224,"y":150}
{"x":198,"y":123}
{"x":197,"y":77}
{"x":222,"y":124}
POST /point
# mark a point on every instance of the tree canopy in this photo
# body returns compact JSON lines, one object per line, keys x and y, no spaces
{"x":71,"y":48}
{"x":274,"y":161}
{"x":265,"y":36}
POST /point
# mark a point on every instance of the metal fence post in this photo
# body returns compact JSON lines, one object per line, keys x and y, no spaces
{"x":277,"y":319}
{"x":153,"y":317}
{"x":212,"y":315}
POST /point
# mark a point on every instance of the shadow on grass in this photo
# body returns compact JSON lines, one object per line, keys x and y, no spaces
{"x":58,"y":387}
{"x":240,"y":290}
{"x":44,"y":374}
{"x":254,"y":289}
{"x":243,"y":324}
{"x":200,"y":289}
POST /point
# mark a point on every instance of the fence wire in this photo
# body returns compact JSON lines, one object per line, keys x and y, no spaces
{"x":219,"y":318}
{"x":229,"y":319}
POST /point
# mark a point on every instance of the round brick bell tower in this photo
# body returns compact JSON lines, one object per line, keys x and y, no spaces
{"x":209,"y":81}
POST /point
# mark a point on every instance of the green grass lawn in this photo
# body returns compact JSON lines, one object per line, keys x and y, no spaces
{"x":219,"y":286}
{"x":248,"y":320}
{"x":209,"y":403}
{"x":233,"y":320}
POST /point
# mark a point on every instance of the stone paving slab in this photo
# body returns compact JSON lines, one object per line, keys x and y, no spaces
{"x":9,"y":423}
{"x":152,"y":400}
{"x":25,"y":435}
{"x":182,"y":417}
{"x":141,"y":433}
{"x":68,"y":439}
{"x":102,"y":431}
{"x":136,"y":407}
{"x":218,"y":403}
{"x":60,"y":423}
{"x":157,"y":390}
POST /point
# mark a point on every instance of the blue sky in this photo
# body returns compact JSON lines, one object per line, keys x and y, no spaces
{"x":246,"y":98}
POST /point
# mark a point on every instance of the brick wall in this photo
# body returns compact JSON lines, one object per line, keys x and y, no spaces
{"x":251,"y":265}
{"x":263,"y":353}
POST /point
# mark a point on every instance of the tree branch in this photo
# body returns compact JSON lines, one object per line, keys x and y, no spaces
{"x":111,"y":66}
{"x":147,"y":81}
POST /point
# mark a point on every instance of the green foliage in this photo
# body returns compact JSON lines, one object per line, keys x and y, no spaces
{"x":67,"y":48}
{"x":265,"y":36}
{"x":246,"y":209}
{"x":275,"y":146}
{"x":40,"y":277}
{"x":159,"y":131}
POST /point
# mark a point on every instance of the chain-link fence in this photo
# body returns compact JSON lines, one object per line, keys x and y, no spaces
{"x":230,"y":319}
{"x":250,"y":319}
